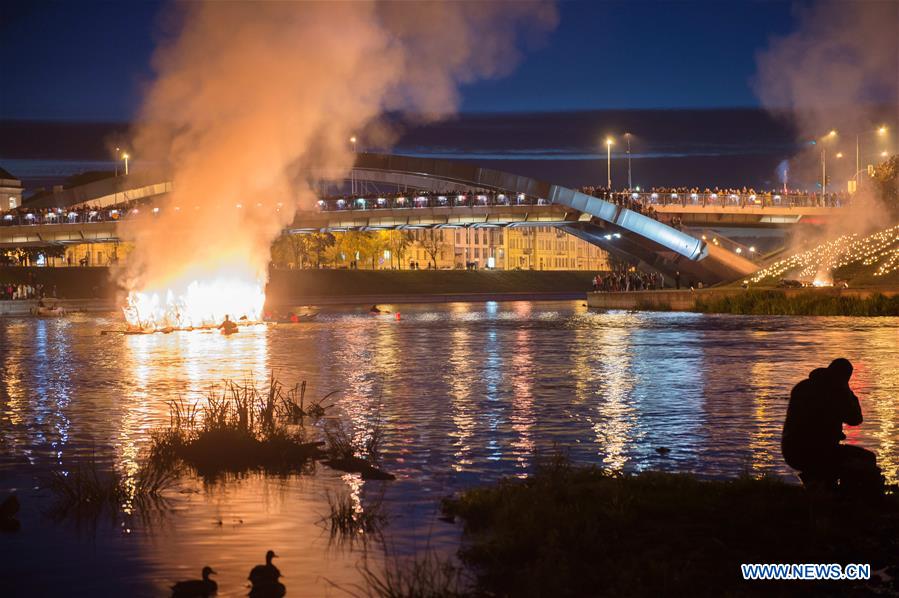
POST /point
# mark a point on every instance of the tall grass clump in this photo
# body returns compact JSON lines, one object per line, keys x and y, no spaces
{"x":88,"y":490}
{"x":355,"y":455}
{"x":580,"y":531}
{"x":241,"y":427}
{"x":350,"y":521}
{"x":427,"y":575}
{"x":755,"y":302}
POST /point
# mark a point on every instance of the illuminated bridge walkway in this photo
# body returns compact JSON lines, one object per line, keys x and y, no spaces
{"x":528,"y":203}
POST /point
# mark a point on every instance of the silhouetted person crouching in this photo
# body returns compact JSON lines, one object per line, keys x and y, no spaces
{"x":819,"y":406}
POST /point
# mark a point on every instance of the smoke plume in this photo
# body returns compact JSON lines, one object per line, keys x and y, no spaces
{"x":839,"y":70}
{"x":250,"y":97}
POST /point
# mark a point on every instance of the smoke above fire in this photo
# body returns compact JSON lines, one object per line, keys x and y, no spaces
{"x":251,"y":98}
{"x":837,"y":71}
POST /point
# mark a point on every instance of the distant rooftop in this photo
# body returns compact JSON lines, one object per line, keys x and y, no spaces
{"x":5,"y":174}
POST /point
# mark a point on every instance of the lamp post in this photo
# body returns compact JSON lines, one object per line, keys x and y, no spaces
{"x":125,"y":156}
{"x":352,"y":173}
{"x":629,"y":182}
{"x":830,"y":135}
{"x":882,"y":131}
{"x":609,"y":163}
{"x":116,"y":161}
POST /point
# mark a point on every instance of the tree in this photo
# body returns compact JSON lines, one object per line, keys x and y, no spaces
{"x":316,"y":244}
{"x":886,"y":180}
{"x":397,"y":241}
{"x":284,"y":251}
{"x":431,"y":240}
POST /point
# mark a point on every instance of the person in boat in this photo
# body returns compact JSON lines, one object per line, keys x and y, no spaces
{"x":228,"y":326}
{"x":813,"y":431}
{"x":374,"y":309}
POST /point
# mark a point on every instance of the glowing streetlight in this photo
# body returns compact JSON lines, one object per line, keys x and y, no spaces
{"x":831,"y":135}
{"x":882,"y":131}
{"x":884,"y":154}
{"x":839,"y":154}
{"x":353,"y":174}
{"x":125,"y":157}
{"x":629,"y":183}
{"x":609,"y":143}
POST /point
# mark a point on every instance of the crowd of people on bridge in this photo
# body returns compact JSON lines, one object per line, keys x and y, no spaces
{"x":717,"y":196}
{"x":27,"y":216}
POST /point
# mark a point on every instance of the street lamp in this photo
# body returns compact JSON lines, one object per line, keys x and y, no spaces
{"x":882,"y":131}
{"x":609,"y":143}
{"x":831,"y":135}
{"x":125,"y":157}
{"x":352,"y":173}
{"x":627,"y":136}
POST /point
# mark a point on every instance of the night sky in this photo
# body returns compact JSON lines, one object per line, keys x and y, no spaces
{"x":87,"y":61}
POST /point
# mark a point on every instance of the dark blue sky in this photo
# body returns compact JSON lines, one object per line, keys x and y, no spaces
{"x":72,"y":60}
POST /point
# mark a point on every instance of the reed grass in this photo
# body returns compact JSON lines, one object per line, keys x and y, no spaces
{"x":756,"y":302}
{"x":355,"y":455}
{"x":427,"y":575}
{"x":349,"y":522}
{"x":90,"y":490}
{"x":579,"y":531}
{"x":241,"y":427}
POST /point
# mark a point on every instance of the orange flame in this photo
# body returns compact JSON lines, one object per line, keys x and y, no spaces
{"x":200,"y":303}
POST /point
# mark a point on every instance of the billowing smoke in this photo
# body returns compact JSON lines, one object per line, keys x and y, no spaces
{"x":839,"y":70}
{"x":250,"y":98}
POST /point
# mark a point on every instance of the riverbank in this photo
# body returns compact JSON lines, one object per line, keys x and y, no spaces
{"x":804,"y":301}
{"x":94,"y":289}
{"x":577,"y":531}
{"x":293,"y":287}
{"x":24,"y":307}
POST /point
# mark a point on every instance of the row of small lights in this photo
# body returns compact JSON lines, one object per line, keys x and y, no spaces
{"x":421,"y":198}
{"x":880,"y":247}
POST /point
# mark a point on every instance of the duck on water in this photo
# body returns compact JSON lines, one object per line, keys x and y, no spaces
{"x":196,"y":588}
{"x":264,"y":579}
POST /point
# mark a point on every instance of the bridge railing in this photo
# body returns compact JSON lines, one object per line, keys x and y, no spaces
{"x":62,"y":216}
{"x":725,"y":199}
{"x":417,"y":201}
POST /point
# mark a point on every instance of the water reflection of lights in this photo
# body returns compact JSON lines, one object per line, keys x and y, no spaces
{"x":763,"y":435}
{"x":462,"y":378}
{"x":522,"y":376}
{"x":613,"y":418}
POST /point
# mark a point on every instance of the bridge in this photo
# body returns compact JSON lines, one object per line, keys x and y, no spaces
{"x":513,"y":201}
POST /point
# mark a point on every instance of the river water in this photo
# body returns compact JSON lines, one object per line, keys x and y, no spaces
{"x":465,"y":393}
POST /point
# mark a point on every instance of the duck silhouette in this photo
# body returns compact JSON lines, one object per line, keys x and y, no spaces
{"x":264,"y":579}
{"x":196,"y":588}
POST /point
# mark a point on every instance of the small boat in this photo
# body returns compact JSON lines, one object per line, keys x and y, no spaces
{"x":47,"y":312}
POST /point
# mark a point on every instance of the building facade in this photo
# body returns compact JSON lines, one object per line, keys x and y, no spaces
{"x":10,"y":191}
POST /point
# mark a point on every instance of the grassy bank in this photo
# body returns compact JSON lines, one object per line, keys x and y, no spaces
{"x":802,"y":304}
{"x":570,"y":531}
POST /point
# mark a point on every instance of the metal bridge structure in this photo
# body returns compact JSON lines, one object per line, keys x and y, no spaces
{"x":514,"y":201}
